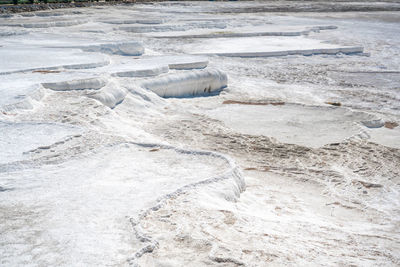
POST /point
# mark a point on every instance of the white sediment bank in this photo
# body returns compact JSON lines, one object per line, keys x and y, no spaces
{"x":266,"y":30}
{"x":173,"y":27}
{"x":267,"y":47}
{"x":14,"y":60}
{"x":46,"y":24}
{"x":123,"y":143}
{"x":110,"y":95}
{"x":119,"y":48}
{"x":190,"y":83}
{"x":17,"y":140}
{"x":81,"y":84}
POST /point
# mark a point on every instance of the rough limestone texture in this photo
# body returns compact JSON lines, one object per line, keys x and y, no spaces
{"x":190,"y":83}
{"x":124,"y":143}
{"x":267,"y":47}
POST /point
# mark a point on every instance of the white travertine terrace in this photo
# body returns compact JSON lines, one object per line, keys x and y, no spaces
{"x":189,"y":83}
{"x":267,"y":47}
{"x":168,"y":133}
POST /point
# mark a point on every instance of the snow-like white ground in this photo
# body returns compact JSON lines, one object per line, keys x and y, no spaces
{"x":17,"y":138}
{"x":265,"y":46}
{"x":294,"y":124}
{"x":264,"y":30}
{"x":279,"y":145}
{"x":13,"y":59}
{"x":78,"y":212}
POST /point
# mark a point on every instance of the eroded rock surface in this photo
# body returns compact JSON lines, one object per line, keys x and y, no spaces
{"x":279,"y":145}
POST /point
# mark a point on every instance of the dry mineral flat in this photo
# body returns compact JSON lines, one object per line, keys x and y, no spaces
{"x":167,"y":133}
{"x":264,"y":30}
{"x":266,"y":47}
{"x":82,"y":207}
{"x":17,"y":141}
{"x":29,"y":59}
{"x":294,"y":124}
